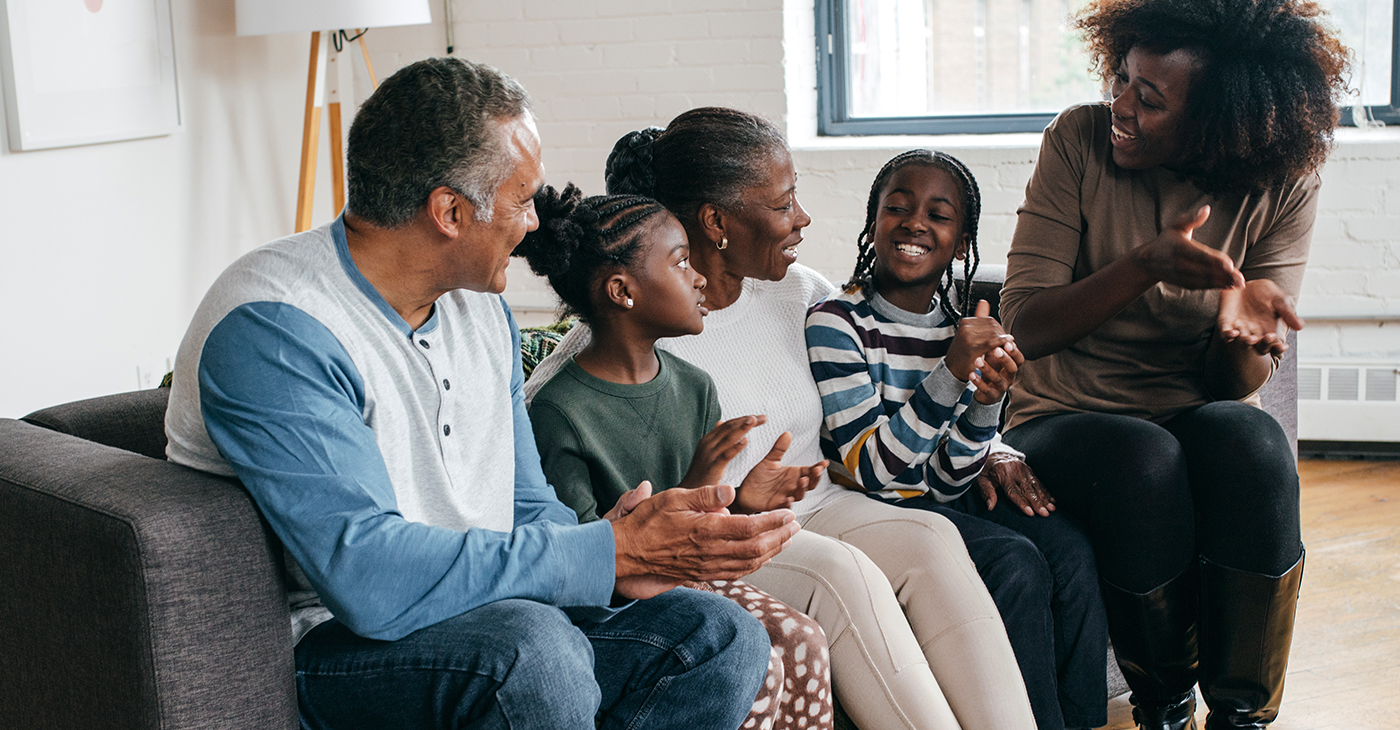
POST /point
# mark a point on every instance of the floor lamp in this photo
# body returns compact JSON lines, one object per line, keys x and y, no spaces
{"x":327,"y":78}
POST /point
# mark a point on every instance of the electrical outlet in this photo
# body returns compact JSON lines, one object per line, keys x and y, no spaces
{"x":149,"y":373}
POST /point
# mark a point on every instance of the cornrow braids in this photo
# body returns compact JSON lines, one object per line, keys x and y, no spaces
{"x":580,"y":239}
{"x":862,"y":275}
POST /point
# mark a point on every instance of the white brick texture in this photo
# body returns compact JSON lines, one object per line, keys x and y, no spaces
{"x":600,"y":68}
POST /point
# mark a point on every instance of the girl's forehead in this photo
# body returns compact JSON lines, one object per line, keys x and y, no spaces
{"x":924,"y":179}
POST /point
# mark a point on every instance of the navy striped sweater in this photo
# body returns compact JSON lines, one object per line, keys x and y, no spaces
{"x":897,"y":422}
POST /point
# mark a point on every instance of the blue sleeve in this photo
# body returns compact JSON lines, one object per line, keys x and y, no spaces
{"x":283,"y":402}
{"x":535,"y":499}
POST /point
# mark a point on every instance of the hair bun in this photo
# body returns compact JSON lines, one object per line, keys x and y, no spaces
{"x":628,"y":169}
{"x":549,"y":248}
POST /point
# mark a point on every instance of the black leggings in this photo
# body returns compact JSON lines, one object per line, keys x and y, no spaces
{"x":1217,"y":481}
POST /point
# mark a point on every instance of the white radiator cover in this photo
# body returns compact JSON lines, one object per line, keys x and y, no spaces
{"x":1348,"y":400}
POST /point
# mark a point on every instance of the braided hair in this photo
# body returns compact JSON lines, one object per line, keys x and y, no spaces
{"x":705,"y":155}
{"x":861,"y":277}
{"x":580,"y":240}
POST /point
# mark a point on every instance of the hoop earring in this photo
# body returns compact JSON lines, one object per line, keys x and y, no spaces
{"x":723,"y":243}
{"x":629,"y":302}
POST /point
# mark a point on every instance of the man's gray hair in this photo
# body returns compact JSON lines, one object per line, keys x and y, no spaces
{"x":433,"y":123}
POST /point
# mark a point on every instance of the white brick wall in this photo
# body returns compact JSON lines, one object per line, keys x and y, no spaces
{"x":599,"y":68}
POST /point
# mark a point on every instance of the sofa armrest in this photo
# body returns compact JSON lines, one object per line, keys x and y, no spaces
{"x":136,"y":593}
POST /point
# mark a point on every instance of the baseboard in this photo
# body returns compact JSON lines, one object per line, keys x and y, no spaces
{"x":1310,"y":449}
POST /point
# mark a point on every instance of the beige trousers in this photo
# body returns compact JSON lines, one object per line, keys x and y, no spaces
{"x":916,"y":641}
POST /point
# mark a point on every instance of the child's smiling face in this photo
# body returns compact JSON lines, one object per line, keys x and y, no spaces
{"x":918,"y":227}
{"x":666,"y":290}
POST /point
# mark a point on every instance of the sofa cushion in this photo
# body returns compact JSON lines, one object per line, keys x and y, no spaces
{"x":130,"y":421}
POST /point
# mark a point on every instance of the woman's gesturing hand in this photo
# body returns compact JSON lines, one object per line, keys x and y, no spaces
{"x":1175,"y":258}
{"x":1255,"y":315}
{"x":1016,"y":480}
{"x":770,"y":485}
{"x":717,"y":448}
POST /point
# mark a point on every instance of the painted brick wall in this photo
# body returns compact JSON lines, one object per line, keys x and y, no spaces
{"x":599,"y":68}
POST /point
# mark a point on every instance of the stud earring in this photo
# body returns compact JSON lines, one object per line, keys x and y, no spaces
{"x":629,"y":302}
{"x":723,"y":243}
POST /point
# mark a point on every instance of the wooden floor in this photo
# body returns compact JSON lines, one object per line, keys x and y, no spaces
{"x":1344,"y":671}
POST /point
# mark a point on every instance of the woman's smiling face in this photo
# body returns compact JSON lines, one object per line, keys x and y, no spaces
{"x":765,"y":230}
{"x":1151,"y":95}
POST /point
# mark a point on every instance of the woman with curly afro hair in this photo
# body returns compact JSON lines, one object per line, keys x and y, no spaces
{"x":1150,"y":285}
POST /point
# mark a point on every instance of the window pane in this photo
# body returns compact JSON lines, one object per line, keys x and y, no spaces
{"x":1367,"y":27}
{"x":911,"y":58}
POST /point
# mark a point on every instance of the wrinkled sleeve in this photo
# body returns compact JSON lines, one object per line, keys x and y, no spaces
{"x":940,"y":430}
{"x":283,"y":402}
{"x":1281,"y":254}
{"x":535,"y":499}
{"x":1045,"y":245}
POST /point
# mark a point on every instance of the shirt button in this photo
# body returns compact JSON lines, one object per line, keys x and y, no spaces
{"x":424,"y":343}
{"x":446,"y":385}
{"x":446,"y":430}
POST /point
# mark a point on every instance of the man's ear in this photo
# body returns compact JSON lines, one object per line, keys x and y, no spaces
{"x":617,"y":289}
{"x":711,"y":219}
{"x":960,"y":252}
{"x":449,"y":211}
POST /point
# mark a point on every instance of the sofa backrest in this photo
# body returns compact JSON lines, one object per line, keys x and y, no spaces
{"x":132,"y":421}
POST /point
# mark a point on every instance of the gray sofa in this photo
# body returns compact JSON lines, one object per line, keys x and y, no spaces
{"x":135,"y":593}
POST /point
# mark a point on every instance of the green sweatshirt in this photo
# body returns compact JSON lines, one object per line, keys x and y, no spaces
{"x":599,"y":439}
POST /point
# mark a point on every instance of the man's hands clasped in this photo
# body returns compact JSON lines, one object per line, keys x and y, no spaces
{"x":681,"y":534}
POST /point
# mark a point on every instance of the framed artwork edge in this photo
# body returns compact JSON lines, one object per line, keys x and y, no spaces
{"x":21,"y":126}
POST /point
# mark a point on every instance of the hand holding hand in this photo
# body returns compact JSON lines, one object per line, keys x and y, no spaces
{"x":688,"y":534}
{"x":628,"y":502}
{"x":996,"y":372}
{"x":1175,"y":258}
{"x":769,"y":485}
{"x":1016,"y":480}
{"x":977,"y":335}
{"x":1255,"y":317}
{"x":717,"y":448}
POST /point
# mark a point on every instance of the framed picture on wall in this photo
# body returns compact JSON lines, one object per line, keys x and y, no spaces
{"x":86,"y":71}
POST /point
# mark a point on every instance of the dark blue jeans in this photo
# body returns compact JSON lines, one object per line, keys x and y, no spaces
{"x":1042,"y":576}
{"x":685,"y":659}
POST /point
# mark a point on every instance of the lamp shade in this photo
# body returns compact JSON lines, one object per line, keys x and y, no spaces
{"x":264,"y":17}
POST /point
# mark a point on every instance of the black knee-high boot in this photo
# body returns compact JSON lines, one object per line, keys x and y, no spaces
{"x":1246,"y":630}
{"x":1154,"y":637}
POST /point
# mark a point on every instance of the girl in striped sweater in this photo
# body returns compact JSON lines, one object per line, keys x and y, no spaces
{"x":912,"y":384}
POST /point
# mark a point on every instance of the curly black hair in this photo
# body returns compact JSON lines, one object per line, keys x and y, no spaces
{"x":1264,"y":101}
{"x":705,"y":155}
{"x":972,"y":211}
{"x":580,"y":240}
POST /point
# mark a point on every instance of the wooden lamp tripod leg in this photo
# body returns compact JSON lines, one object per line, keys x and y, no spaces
{"x":311,"y":130}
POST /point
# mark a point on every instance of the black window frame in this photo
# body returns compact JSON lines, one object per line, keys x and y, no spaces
{"x":834,"y":120}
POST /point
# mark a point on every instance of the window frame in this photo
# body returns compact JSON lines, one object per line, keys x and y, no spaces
{"x":834,"y":119}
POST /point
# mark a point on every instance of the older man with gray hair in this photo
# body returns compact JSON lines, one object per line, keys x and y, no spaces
{"x":363,"y":380}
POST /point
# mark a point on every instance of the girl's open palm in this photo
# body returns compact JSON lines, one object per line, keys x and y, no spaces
{"x":770,"y":485}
